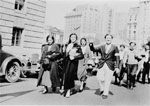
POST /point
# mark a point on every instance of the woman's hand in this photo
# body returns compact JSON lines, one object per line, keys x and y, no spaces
{"x":71,"y":57}
{"x":49,"y":56}
{"x":117,"y":70}
{"x":73,"y":52}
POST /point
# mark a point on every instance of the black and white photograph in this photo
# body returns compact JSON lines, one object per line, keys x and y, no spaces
{"x":75,"y":52}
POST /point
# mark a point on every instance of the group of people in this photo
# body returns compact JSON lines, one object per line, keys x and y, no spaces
{"x":59,"y":65}
{"x":135,"y":62}
{"x":62,"y":65}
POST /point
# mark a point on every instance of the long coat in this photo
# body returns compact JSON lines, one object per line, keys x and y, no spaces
{"x":109,"y":58}
{"x":54,"y":74}
{"x":70,"y":68}
{"x":82,"y":63}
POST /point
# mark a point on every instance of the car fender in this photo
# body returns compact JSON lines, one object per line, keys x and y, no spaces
{"x":5,"y":63}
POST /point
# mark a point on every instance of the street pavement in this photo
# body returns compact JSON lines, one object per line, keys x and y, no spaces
{"x":25,"y":92}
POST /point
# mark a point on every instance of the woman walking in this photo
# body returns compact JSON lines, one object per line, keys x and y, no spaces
{"x":131,"y":59}
{"x":49,"y":75}
{"x":82,"y":73}
{"x":72,"y":55}
{"x":146,"y":65}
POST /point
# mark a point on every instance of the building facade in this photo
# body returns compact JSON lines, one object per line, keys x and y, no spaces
{"x":143,"y":29}
{"x":106,"y":22}
{"x":57,"y":33}
{"x":83,"y":20}
{"x":22,"y":24}
{"x":120,"y":25}
{"x":139,"y":23}
{"x":132,"y":23}
{"x":89,"y":21}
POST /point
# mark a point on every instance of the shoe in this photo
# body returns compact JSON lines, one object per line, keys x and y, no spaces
{"x":148,"y":80}
{"x":61,"y":91}
{"x":128,"y":86}
{"x":120,"y":83}
{"x":73,"y":91}
{"x":116,"y":83}
{"x":53,"y":89}
{"x":131,"y":88}
{"x":84,"y":85}
{"x":81,"y":89}
{"x":104,"y":96}
{"x":44,"y":91}
{"x":67,"y":95}
{"x":101,"y":92}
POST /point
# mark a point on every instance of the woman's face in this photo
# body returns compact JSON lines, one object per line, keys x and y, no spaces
{"x":122,"y":48}
{"x":73,"y":38}
{"x":147,"y":48}
{"x":132,"y":46}
{"x":83,"y":42}
{"x":50,"y":40}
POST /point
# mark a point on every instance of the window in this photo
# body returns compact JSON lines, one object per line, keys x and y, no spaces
{"x":129,"y":31}
{"x":129,"y":26}
{"x":130,"y":18}
{"x":16,"y":36}
{"x":134,"y":32}
{"x":134,"y":26}
{"x":19,"y":4}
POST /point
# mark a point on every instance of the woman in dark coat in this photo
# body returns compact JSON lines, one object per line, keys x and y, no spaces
{"x":49,"y":75}
{"x":73,"y":53}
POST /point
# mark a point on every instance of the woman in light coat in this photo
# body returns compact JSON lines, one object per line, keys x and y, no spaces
{"x":82,"y":73}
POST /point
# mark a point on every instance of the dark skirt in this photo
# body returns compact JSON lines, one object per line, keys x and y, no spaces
{"x":53,"y":75}
{"x":70,"y":73}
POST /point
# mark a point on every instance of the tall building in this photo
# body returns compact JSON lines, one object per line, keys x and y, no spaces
{"x":89,"y":21}
{"x":139,"y":23}
{"x":132,"y":23}
{"x":106,"y":22}
{"x":120,"y":25}
{"x":22,"y":24}
{"x":83,"y":20}
{"x":143,"y":29}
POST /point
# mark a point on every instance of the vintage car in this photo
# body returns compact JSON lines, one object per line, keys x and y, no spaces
{"x":30,"y":65}
{"x":10,"y":66}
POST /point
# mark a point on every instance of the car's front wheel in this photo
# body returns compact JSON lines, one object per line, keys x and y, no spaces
{"x":13,"y":71}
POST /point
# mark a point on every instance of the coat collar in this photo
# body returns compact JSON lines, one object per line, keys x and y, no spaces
{"x":110,"y":49}
{"x":46,"y":46}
